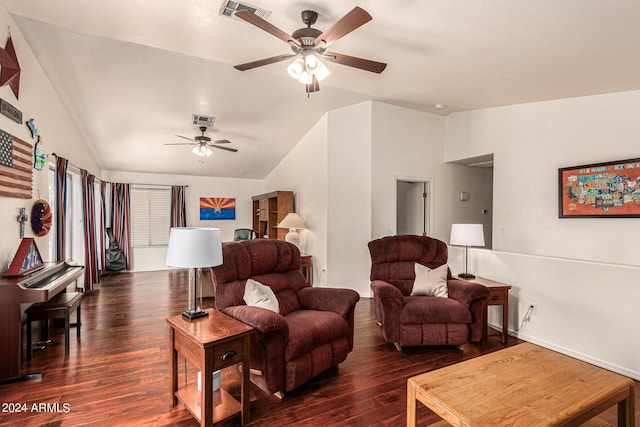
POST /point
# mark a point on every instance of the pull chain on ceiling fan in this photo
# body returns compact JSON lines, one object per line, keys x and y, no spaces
{"x":309,"y":46}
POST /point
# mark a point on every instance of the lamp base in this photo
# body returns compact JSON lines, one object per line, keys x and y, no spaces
{"x":466,"y":276}
{"x":293,"y":237}
{"x":194,"y":314}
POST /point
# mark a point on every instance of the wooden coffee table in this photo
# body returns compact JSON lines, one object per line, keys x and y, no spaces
{"x":523,"y":385}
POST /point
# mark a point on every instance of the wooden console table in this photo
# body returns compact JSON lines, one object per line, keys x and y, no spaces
{"x":210,"y":343}
{"x":521,"y":385}
{"x":499,"y":295}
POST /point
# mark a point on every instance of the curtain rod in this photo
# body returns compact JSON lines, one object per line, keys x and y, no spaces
{"x":154,"y":185}
{"x":130,"y":183}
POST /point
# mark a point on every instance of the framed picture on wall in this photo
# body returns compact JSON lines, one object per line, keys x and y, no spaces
{"x":609,"y":189}
{"x":217,"y":208}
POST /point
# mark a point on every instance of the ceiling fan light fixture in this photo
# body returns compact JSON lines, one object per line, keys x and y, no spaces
{"x":305,"y":77}
{"x":309,"y":43}
{"x":316,"y":67}
{"x":306,"y":68}
{"x":202,"y":151}
{"x":312,"y":63}
{"x":322,"y":72}
{"x":296,"y":68}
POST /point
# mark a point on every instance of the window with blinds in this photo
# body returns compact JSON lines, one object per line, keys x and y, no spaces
{"x":150,"y":216}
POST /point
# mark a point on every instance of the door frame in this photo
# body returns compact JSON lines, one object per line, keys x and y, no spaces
{"x":429,"y":209}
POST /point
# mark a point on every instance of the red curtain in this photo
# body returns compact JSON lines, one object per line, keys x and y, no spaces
{"x":178,"y":208}
{"x":103,"y":202}
{"x":91,"y":273}
{"x":61,"y":207}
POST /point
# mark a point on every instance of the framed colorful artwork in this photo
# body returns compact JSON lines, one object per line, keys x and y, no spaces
{"x":610,"y":189}
{"x":217,"y":208}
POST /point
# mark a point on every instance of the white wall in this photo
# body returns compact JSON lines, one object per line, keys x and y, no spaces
{"x":530,"y":142}
{"x":344,"y":174}
{"x":407,"y":144}
{"x":304,"y":171}
{"x":349,"y":197}
{"x":585,"y":309}
{"x":581,"y":273}
{"x":37,"y":100}
{"x":330,"y":172}
{"x":145,"y":259}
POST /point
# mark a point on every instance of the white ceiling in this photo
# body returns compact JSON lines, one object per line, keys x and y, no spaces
{"x":131,"y":72}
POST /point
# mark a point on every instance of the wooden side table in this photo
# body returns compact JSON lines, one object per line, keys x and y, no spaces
{"x":210,"y":343}
{"x":305,"y":262}
{"x":499,"y":295}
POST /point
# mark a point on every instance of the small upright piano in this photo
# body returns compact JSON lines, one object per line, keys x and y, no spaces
{"x":38,"y":282}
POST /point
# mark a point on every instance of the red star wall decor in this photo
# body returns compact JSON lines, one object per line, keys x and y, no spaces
{"x":10,"y":73}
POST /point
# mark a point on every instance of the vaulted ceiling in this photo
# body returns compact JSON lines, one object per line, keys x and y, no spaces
{"x":132,"y":72}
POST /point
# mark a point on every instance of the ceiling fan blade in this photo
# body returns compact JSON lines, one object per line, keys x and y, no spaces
{"x":180,"y":136}
{"x":181,"y":143}
{"x":233,"y":150}
{"x":352,"y":61}
{"x":252,"y":18}
{"x":352,"y":20}
{"x":261,"y":62}
{"x":222,"y":141}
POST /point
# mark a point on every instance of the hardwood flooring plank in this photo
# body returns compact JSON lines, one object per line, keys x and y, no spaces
{"x":117,"y":373}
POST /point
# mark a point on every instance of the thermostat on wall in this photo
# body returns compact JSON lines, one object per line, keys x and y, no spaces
{"x":464,"y":196}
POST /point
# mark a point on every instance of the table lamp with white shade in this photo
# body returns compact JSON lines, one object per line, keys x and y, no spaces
{"x":466,"y":235}
{"x":294,"y":223}
{"x":193,"y":248}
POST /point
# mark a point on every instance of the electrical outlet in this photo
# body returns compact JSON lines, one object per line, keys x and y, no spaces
{"x":533,"y":307}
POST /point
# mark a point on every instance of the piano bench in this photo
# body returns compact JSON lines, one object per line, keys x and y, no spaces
{"x":58,"y":307}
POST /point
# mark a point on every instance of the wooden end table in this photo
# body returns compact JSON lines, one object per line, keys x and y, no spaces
{"x":305,"y":263}
{"x":499,"y":295}
{"x":210,"y":343}
{"x":521,"y":385}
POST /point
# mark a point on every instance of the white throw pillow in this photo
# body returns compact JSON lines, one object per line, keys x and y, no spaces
{"x":430,"y":282}
{"x":258,"y":295}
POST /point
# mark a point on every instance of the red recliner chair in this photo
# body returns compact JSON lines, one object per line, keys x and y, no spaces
{"x":422,"y":320}
{"x":313,"y":330}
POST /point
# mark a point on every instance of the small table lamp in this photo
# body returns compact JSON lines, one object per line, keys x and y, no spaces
{"x":193,"y":248}
{"x":294,"y":223}
{"x":466,"y":235}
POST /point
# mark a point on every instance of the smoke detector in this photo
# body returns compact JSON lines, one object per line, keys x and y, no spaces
{"x":229,"y":8}
{"x":200,"y":120}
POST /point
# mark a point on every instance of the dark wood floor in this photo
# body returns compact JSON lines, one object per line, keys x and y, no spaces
{"x":118,"y":372}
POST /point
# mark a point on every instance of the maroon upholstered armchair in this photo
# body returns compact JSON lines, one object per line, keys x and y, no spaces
{"x":408,"y":320}
{"x":313,"y":330}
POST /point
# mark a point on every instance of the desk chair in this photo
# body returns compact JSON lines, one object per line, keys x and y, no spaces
{"x":243,"y":234}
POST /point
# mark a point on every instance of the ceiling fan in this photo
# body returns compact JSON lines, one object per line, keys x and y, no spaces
{"x":203,"y":142}
{"x":310,"y":44}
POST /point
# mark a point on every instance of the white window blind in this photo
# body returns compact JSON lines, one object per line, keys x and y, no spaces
{"x":150,"y":216}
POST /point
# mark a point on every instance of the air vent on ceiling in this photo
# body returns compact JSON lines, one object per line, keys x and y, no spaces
{"x":229,"y":7}
{"x":199,"y":120}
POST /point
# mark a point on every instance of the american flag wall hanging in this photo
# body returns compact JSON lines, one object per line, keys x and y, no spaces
{"x":15,"y":167}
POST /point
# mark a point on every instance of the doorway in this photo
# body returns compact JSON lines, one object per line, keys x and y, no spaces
{"x":412,"y":207}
